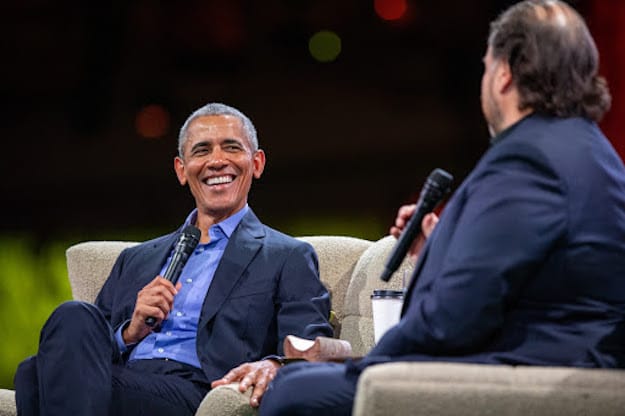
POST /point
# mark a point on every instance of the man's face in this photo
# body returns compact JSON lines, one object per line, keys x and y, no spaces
{"x":218,"y":163}
{"x":490,"y":106}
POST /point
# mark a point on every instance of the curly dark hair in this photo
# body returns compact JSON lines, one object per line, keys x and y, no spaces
{"x":553,"y":59}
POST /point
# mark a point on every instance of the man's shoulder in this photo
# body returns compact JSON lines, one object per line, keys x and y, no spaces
{"x":541,"y":137}
{"x":280,"y":238}
{"x":149,"y":244}
{"x":271,"y":235}
{"x":538,"y":128}
{"x":156,"y":241}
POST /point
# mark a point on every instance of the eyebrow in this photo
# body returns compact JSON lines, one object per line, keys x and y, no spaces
{"x":200,"y":144}
{"x":206,"y":143}
{"x":233,"y":141}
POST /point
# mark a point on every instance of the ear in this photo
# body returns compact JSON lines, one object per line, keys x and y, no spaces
{"x":503,"y":77}
{"x":180,"y":171}
{"x":259,"y":163}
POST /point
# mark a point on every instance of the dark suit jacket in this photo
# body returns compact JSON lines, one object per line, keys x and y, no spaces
{"x":527,"y":263}
{"x":266,"y":287}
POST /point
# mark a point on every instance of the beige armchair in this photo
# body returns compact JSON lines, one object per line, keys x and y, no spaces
{"x":350,"y":268}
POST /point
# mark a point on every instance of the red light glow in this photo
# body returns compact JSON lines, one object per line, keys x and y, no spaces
{"x":152,"y":121}
{"x":390,"y":9}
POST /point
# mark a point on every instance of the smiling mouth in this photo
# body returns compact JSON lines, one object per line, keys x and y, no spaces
{"x":218,"y":180}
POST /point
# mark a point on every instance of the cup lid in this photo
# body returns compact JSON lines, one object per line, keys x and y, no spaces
{"x":385,"y":293}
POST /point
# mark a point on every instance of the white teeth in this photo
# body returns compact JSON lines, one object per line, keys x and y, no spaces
{"x":219,"y":179}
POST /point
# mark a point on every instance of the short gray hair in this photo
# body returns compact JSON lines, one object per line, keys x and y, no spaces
{"x":218,"y":109}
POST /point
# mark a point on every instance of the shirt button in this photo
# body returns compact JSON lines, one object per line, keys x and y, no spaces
{"x":168,"y":333}
{"x":189,"y":280}
{"x":161,"y":350}
{"x":179,"y":313}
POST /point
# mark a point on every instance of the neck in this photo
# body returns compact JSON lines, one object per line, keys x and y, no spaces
{"x":204,"y":222}
{"x":515,"y":118}
{"x":510,"y":113}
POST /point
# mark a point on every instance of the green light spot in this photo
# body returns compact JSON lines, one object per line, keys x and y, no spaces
{"x":325,"y":46}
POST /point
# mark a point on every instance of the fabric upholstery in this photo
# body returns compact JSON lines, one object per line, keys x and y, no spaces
{"x":7,"y":403}
{"x":227,"y":400}
{"x":445,"y":389}
{"x":337,"y":258}
{"x":89,"y":264}
{"x":357,"y":324}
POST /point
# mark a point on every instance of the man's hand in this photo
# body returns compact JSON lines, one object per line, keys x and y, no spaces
{"x":427,"y":226}
{"x":155,"y":299}
{"x":258,"y":374}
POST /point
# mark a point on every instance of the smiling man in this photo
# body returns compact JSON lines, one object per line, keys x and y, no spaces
{"x":218,"y":163}
{"x":244,"y":288}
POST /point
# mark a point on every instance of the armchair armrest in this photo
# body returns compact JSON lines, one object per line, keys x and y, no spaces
{"x":437,"y":389}
{"x":227,"y":400}
{"x":7,"y":403}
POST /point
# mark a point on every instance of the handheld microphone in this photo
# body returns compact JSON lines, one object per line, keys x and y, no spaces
{"x":185,"y":245}
{"x":436,"y":186}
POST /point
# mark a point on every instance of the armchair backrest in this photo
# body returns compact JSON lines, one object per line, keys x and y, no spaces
{"x":89,"y":264}
{"x":357,"y":322}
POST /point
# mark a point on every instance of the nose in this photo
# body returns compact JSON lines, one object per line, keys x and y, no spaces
{"x":217,"y":159}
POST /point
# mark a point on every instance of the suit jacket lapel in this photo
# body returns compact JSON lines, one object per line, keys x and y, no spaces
{"x":156,"y":255}
{"x":244,"y":243}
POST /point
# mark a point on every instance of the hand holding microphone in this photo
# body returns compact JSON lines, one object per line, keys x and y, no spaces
{"x":437,"y":185}
{"x":404,"y":214}
{"x":188,"y":240}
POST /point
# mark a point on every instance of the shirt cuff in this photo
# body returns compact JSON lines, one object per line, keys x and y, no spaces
{"x":282,"y":360}
{"x":123,"y":347}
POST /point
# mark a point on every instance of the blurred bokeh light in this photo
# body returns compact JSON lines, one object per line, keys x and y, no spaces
{"x":390,"y":9}
{"x":152,"y":122}
{"x":325,"y":46}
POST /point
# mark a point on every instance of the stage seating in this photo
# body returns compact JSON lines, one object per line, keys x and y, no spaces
{"x":350,"y":268}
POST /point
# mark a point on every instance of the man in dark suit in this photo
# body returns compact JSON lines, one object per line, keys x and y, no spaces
{"x":527,"y":263}
{"x":243,"y":289}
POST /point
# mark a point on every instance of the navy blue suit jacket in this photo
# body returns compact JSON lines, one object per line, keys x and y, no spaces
{"x":266,"y":287}
{"x":527,"y":263}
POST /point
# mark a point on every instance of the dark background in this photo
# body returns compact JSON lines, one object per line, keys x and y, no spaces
{"x":347,"y":141}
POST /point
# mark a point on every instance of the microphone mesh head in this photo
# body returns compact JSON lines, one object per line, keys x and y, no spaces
{"x":189,"y":238}
{"x":192,"y":231}
{"x":441,"y":179}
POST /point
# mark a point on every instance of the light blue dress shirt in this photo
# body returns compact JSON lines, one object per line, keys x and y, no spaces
{"x":177,"y":337}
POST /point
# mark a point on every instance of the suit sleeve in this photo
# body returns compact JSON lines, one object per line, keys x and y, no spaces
{"x":303,"y":302}
{"x":513,"y":212}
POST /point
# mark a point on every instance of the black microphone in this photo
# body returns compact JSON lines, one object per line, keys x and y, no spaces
{"x":185,"y":245}
{"x":436,"y":186}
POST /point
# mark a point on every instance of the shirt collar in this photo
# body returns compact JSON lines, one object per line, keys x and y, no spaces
{"x":227,"y":226}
